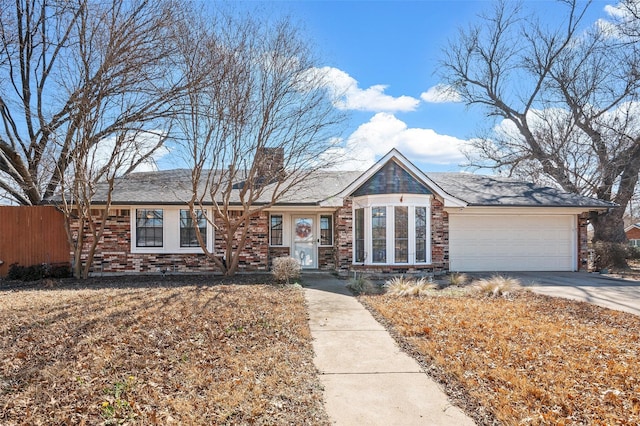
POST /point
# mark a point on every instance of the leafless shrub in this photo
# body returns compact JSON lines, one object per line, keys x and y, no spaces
{"x":285,"y":269}
{"x":363,"y":285}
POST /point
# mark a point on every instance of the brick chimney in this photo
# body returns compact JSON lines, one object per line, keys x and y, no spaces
{"x":269,"y":164}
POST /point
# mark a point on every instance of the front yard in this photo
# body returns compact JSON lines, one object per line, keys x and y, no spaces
{"x":157,"y":354}
{"x":525,"y":359}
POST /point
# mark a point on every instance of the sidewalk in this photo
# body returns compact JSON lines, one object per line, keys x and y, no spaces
{"x":367,"y":379}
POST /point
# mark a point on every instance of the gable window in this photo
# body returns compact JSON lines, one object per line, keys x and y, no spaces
{"x":379,"y":234}
{"x":275,"y":230}
{"x":359,"y":235}
{"x":149,"y":228}
{"x":326,"y":230}
{"x":188,"y":237}
{"x":634,"y":243}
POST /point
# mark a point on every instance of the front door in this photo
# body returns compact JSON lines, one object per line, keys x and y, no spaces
{"x":304,"y":241}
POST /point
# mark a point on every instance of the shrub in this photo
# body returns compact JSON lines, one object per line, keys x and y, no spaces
{"x":610,"y":255}
{"x":363,"y":285}
{"x":284,"y":269}
{"x":401,"y":286}
{"x":497,"y":286}
{"x":37,"y":272}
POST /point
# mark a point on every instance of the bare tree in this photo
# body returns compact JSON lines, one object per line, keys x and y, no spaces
{"x":566,"y":99}
{"x":258,"y":127}
{"x":68,"y":64}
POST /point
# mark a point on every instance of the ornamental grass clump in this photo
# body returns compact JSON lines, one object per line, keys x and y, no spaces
{"x":458,"y":279}
{"x":401,"y":286}
{"x":285,"y":269}
{"x":497,"y":286}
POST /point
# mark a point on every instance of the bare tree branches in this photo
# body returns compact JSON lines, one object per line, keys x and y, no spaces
{"x":570,"y":95}
{"x":256,"y":127}
{"x":77,"y":63}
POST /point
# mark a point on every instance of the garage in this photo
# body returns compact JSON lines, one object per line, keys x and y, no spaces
{"x":512,"y":242}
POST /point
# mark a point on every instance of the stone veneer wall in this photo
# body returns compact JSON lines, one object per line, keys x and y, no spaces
{"x":113,"y":254}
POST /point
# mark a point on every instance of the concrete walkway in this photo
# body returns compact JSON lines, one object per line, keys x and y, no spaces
{"x":367,"y":379}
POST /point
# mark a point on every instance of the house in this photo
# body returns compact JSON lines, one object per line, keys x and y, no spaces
{"x":633,"y":234}
{"x":391,"y":218}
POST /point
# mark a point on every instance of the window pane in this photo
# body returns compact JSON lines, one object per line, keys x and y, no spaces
{"x":276,"y":230}
{"x":401,"y":225}
{"x":188,"y":237}
{"x":379,"y":234}
{"x":149,"y":228}
{"x":421,"y":234}
{"x":326,"y":228}
{"x":359,"y":234}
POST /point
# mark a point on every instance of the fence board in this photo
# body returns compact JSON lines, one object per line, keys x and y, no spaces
{"x":31,"y":235}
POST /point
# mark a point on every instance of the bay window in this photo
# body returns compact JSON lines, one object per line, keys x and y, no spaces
{"x":394,"y":233}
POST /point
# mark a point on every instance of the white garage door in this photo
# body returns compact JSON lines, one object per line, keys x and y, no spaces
{"x":512,"y":243}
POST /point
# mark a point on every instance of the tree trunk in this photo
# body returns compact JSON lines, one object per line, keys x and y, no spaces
{"x":608,"y":226}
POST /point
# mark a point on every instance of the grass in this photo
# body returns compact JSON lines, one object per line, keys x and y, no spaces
{"x":192,"y":354}
{"x":527,"y":359}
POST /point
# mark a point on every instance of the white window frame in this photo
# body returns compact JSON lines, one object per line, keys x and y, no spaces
{"x":170,"y":231}
{"x":390,"y":201}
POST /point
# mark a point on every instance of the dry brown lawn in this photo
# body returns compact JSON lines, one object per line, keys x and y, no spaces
{"x":192,"y":354}
{"x":526,"y":360}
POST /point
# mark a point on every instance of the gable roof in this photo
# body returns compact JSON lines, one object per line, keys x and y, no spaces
{"x":632,"y":226}
{"x":329,"y":188}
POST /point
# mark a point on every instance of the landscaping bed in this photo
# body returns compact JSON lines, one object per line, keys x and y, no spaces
{"x":157,"y":351}
{"x":524,"y":359}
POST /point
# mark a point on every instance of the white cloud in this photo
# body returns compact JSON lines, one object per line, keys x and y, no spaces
{"x":384,"y":131}
{"x":348,"y":96}
{"x":441,"y":93}
{"x":129,"y":152}
{"x":622,"y":20}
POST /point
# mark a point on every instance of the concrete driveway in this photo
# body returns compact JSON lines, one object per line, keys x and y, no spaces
{"x":613,"y":293}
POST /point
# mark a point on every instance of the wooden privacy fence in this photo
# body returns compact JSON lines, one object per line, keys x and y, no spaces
{"x":32,"y":235}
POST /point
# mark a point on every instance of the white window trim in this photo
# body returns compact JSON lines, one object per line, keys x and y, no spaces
{"x":170,"y":232}
{"x":390,"y":201}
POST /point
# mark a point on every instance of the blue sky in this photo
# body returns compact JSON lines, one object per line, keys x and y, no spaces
{"x":385,"y":54}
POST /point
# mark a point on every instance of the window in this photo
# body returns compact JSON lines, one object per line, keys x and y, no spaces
{"x":401,"y":227}
{"x":421,"y":234}
{"x":634,"y":243}
{"x":389,"y":232}
{"x":379,"y":234}
{"x":188,"y":237}
{"x":359,"y":236}
{"x":276,"y":230}
{"x":149,"y":228}
{"x":326,"y":230}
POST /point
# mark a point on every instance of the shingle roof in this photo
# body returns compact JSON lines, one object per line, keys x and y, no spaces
{"x":173,"y":187}
{"x":481,"y":190}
